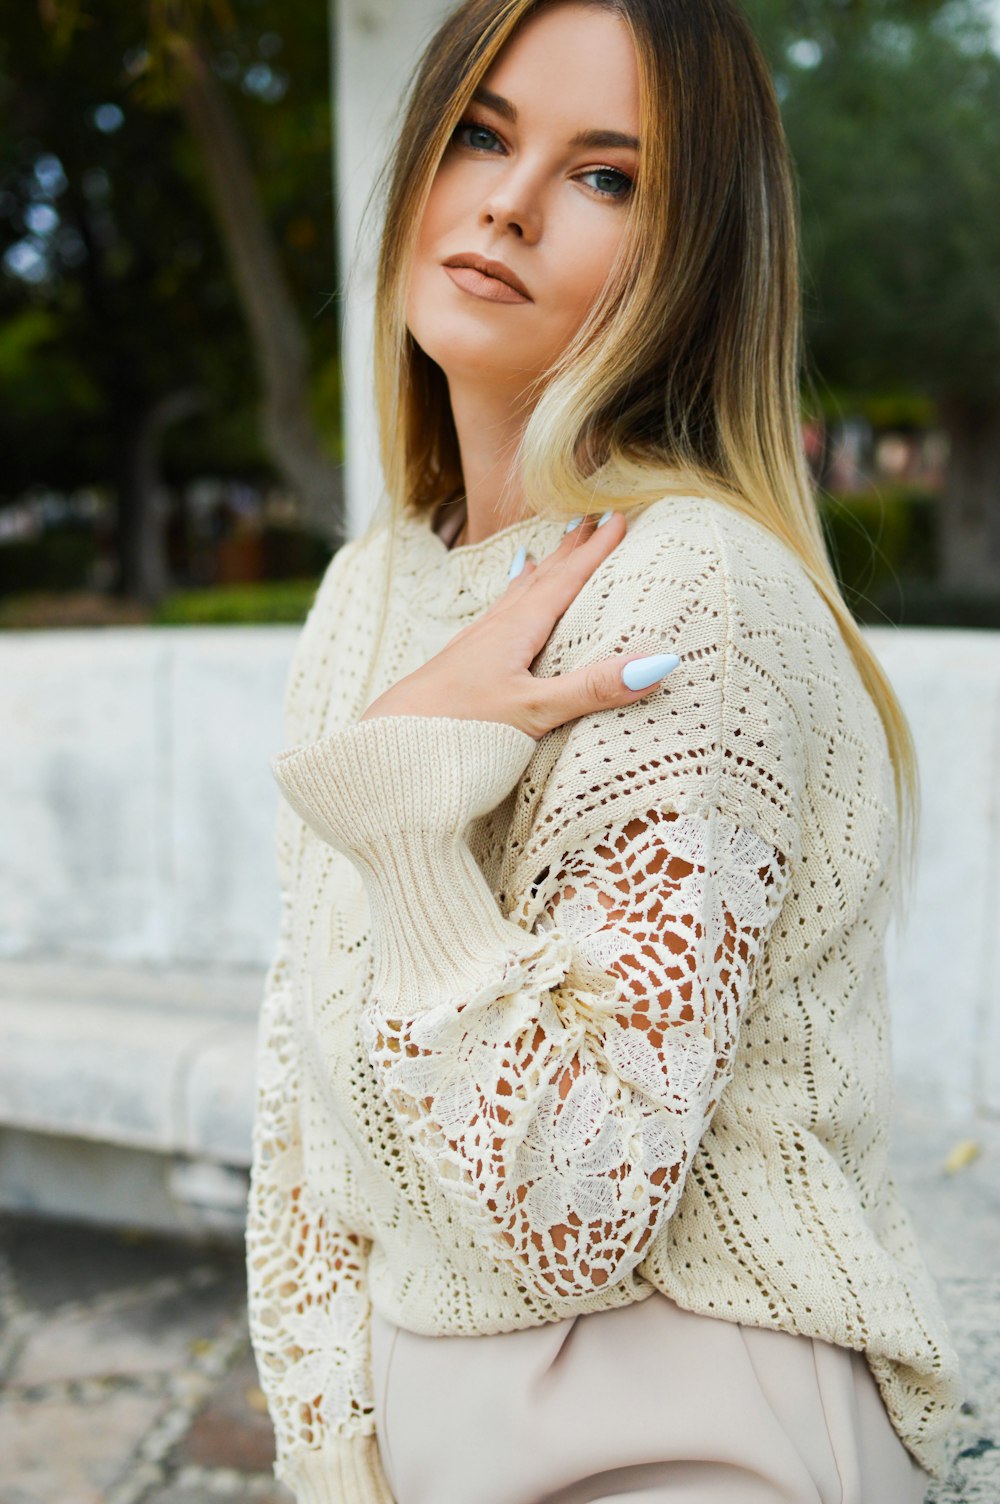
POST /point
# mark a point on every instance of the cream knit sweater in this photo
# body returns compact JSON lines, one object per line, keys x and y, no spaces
{"x":553,"y":1024}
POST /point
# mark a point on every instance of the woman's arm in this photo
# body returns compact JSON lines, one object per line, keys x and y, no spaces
{"x":307,"y":1290}
{"x":556,"y":1081}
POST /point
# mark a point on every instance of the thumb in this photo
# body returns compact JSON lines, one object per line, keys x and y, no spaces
{"x":600,"y":686}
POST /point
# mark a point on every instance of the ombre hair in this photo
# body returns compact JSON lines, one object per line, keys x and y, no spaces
{"x":684,"y":378}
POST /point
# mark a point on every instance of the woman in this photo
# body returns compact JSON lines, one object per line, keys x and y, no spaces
{"x":570,"y":1173}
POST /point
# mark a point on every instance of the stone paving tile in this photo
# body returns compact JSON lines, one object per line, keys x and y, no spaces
{"x":115,"y":1368}
{"x":195,"y":1488}
{"x":233,"y":1429}
{"x":142,"y":1332}
{"x":973,"y":1309}
{"x":132,"y":1349}
{"x":957,"y":1216}
{"x":76,"y":1262}
{"x":64,"y":1451}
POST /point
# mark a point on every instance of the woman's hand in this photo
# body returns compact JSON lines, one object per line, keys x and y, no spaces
{"x":484,"y":673}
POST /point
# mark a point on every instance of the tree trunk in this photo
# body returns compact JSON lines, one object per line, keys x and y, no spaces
{"x":969,"y":537}
{"x":275,"y":328}
{"x":144,"y":573}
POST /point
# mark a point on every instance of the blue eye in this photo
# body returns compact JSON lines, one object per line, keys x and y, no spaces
{"x":474,"y":128}
{"x":620,"y":181}
{"x":620,"y":184}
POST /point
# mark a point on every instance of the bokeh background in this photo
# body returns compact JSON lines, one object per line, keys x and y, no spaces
{"x":186,"y":439}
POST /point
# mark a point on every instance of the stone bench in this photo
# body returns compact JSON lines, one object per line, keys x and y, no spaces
{"x":139,"y":906}
{"x":127,"y":1093}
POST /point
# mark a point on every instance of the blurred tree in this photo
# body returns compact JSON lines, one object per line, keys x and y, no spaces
{"x":893,"y":113}
{"x":119,"y":315}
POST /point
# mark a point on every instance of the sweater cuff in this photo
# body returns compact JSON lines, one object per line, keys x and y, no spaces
{"x":344,"y":1470}
{"x":396,"y":794}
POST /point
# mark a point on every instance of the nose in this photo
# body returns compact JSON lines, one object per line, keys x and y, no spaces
{"x":512,"y":205}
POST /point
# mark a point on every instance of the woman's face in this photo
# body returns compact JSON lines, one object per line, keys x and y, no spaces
{"x":537,"y":178}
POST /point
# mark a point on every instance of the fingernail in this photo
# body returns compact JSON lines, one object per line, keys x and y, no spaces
{"x":642,"y":672}
{"x":574,"y":523}
{"x":607,"y":514}
{"x":517,"y":563}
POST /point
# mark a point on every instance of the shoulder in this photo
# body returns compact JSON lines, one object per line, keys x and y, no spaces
{"x":348,"y":586}
{"x":696,"y":564}
{"x":735,"y":593}
{"x":724,"y":731}
{"x":700,"y":543}
{"x":352,"y":578}
{"x":694,"y":576}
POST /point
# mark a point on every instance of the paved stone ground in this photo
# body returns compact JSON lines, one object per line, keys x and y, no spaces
{"x":128,"y":1378}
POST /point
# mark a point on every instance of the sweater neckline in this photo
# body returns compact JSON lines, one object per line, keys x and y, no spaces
{"x":457,"y":581}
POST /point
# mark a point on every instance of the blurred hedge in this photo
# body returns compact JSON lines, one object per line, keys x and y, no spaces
{"x":241,"y":605}
{"x":61,"y":558}
{"x":883,"y":546}
{"x":874,"y":537}
{"x":884,"y":549}
{"x":915,"y":603}
{"x":289,"y":553}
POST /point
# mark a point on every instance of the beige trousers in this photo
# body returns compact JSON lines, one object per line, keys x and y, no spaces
{"x":645,"y":1403}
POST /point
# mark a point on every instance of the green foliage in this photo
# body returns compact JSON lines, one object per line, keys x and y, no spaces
{"x":892,"y":407}
{"x":891,"y":112}
{"x":129,"y":295}
{"x":326,"y":407}
{"x":884,"y":550}
{"x":60,"y":559}
{"x":290,"y":553}
{"x":279,"y":601}
{"x":39,"y":375}
{"x":918,"y":603}
{"x":876,"y":537}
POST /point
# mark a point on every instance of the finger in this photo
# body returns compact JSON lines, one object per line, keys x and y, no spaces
{"x":522,"y":566}
{"x":599,"y":686}
{"x":522,"y":563}
{"x":561,"y":576}
{"x":574,"y":534}
{"x":512,"y":590}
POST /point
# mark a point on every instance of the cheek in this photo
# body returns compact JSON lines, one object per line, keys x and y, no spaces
{"x":584,"y":270}
{"x":442,"y":212}
{"x":435,"y":238}
{"x":422,"y":267}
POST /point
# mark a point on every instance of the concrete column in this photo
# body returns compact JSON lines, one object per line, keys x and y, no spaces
{"x":376,"y":44}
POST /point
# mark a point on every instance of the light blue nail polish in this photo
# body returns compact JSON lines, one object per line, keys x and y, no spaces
{"x":607,"y":514}
{"x":642,"y":672}
{"x":573,"y":524}
{"x":517,"y":563}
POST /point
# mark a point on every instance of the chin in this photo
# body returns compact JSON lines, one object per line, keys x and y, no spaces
{"x":483,"y":355}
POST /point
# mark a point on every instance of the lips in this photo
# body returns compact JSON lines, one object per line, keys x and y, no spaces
{"x":488,"y":268}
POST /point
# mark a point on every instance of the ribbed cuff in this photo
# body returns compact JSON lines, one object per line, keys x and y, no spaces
{"x":395,"y":794}
{"x":344,"y":1470}
{"x":400,"y":773}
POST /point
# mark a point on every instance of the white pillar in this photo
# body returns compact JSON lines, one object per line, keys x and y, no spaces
{"x":375,"y":43}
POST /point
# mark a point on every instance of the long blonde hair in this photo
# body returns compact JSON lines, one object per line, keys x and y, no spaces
{"x":684,"y":378}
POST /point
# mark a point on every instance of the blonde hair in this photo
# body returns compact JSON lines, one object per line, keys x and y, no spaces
{"x":684,"y":377}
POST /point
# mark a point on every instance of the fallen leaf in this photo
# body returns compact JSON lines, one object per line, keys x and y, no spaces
{"x":962,"y":1155}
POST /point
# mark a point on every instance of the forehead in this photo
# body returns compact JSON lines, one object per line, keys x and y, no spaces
{"x":568,"y":64}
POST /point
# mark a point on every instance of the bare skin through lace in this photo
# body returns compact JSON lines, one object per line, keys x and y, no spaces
{"x":561,"y":1108}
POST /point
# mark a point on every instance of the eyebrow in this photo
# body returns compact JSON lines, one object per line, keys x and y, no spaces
{"x":604,"y":138}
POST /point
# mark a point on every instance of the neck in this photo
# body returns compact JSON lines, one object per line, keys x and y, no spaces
{"x":488,"y":424}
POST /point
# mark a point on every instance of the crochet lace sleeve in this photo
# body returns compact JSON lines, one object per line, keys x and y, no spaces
{"x":555,"y":1079}
{"x":307,"y":1292}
